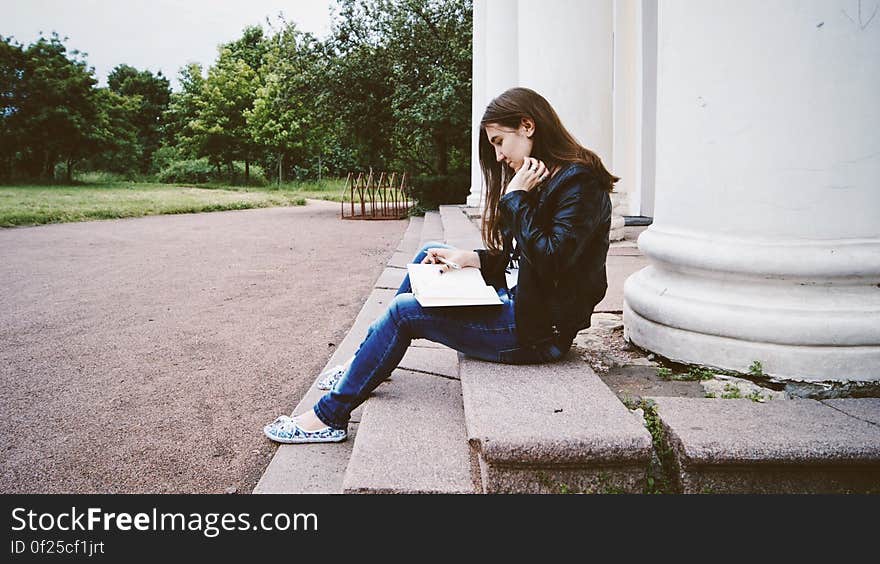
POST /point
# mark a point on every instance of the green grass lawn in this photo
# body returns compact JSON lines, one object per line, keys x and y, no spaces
{"x":37,"y":205}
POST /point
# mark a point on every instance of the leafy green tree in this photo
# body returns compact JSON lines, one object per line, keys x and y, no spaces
{"x":401,"y":80}
{"x":430,"y":43}
{"x":221,"y":128}
{"x":56,"y":109}
{"x":12,"y":69}
{"x":359,"y":83}
{"x":153,"y":94}
{"x":251,"y":47}
{"x":183,"y":110}
{"x":116,"y":137}
{"x":287,"y":116}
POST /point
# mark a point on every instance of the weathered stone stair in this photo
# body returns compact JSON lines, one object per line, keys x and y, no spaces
{"x":446,"y":423}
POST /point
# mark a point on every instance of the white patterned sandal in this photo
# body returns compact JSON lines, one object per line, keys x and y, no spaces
{"x":285,"y":430}
{"x":331,"y":376}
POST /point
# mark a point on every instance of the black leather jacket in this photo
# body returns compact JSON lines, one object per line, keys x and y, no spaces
{"x":561,"y":232}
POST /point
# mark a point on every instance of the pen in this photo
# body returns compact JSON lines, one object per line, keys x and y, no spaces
{"x":451,"y":264}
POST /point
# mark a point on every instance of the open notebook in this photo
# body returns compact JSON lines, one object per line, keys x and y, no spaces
{"x":452,"y":288}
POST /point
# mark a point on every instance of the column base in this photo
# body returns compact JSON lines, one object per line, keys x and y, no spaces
{"x":809,"y":311}
{"x":474,"y":199}
{"x":782,"y":362}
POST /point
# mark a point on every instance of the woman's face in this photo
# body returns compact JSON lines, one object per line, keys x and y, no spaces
{"x":511,"y":145}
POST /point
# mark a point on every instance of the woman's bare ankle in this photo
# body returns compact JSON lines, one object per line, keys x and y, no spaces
{"x":308,"y":421}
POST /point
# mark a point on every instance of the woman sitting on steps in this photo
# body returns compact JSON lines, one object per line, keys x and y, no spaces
{"x":546,"y":193}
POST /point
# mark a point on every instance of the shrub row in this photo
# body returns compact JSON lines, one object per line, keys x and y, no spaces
{"x":200,"y":171}
{"x":432,"y":191}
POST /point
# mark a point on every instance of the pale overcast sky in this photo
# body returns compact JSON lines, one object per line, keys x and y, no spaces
{"x":152,"y":34}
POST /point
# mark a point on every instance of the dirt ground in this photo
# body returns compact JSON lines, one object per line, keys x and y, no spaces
{"x":145,"y":355}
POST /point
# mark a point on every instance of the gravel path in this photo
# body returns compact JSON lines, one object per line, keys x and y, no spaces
{"x":145,"y":355}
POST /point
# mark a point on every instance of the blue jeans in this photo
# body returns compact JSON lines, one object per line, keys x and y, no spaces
{"x":484,"y":332}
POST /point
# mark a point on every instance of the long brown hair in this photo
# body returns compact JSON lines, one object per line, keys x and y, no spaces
{"x":552,"y":144}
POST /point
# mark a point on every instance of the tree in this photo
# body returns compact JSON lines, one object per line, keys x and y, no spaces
{"x":287,"y":117}
{"x":359,"y":83}
{"x":250,"y":48}
{"x":153,"y":96}
{"x":430,"y":43}
{"x":402,"y":80}
{"x":56,"y":109}
{"x":220,"y":128}
{"x":12,"y":69}
{"x":183,"y":110}
{"x":116,"y":136}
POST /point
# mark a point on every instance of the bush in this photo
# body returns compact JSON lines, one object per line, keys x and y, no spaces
{"x":100,"y":177}
{"x":200,"y":171}
{"x":432,"y":191}
{"x":256,"y":177}
{"x":164,"y":156}
{"x":188,"y":171}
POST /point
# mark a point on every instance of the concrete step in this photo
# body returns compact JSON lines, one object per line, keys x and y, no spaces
{"x":392,"y":277}
{"x":432,"y":230}
{"x":459,"y":230}
{"x":796,"y":446}
{"x":429,"y":229}
{"x":411,"y":436}
{"x":411,"y":439}
{"x":320,"y":468}
{"x":412,"y":236}
{"x":550,"y":428}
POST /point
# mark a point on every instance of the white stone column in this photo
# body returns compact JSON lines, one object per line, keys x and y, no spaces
{"x":559,"y":48}
{"x":766,"y":240}
{"x":566,"y":55}
{"x":495,"y":67}
{"x":478,"y":94}
{"x":626,"y":103}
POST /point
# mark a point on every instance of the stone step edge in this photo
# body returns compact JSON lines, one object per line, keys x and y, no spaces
{"x":272,"y":477}
{"x":533,"y":461}
{"x":396,"y":424}
{"x":698,"y":465}
{"x":431,"y":221}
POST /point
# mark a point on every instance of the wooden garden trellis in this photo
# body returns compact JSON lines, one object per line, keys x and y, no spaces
{"x":385,"y":198}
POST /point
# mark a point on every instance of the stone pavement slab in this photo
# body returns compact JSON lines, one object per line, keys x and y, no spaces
{"x":400,"y":260}
{"x":412,"y":439}
{"x":425,"y":343}
{"x":741,"y":446}
{"x":618,"y":268}
{"x":634,"y":381}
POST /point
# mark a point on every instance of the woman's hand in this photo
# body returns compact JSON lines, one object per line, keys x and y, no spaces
{"x":530,"y":174}
{"x":461,"y":257}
